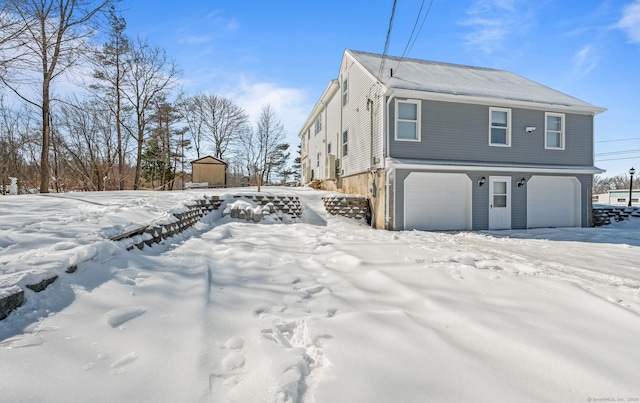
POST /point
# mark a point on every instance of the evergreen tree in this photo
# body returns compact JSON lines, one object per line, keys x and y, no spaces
{"x":110,"y":71}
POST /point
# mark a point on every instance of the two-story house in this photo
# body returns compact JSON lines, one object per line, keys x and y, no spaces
{"x":439,"y":146}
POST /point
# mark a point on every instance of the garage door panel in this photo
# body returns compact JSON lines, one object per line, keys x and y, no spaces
{"x":553,"y":202}
{"x":437,"y":201}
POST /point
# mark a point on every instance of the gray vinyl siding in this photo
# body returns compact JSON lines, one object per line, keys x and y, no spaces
{"x":460,"y":132}
{"x":480,"y":198}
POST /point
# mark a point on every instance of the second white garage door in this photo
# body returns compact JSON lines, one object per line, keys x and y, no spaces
{"x":553,"y":201}
{"x":435,"y":201}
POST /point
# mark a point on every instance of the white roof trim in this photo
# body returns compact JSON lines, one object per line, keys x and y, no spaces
{"x":463,"y":166}
{"x":328,"y":92}
{"x":500,"y":102}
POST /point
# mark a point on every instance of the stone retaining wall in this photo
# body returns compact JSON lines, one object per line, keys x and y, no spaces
{"x":603,"y":215}
{"x":13,"y":297}
{"x":351,"y":206}
{"x":183,"y":219}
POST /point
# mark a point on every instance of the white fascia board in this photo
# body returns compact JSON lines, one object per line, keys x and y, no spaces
{"x":364,"y":69}
{"x":466,"y":167}
{"x":327,"y":94}
{"x":501,"y":102}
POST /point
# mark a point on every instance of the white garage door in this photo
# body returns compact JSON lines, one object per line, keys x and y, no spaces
{"x":553,"y":201}
{"x":434,"y":201}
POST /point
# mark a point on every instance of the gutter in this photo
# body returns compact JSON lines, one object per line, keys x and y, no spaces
{"x":466,"y":167}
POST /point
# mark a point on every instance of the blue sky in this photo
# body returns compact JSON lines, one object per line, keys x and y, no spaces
{"x":284,"y":52}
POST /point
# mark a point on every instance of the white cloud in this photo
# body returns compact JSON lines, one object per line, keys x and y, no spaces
{"x":630,"y":22}
{"x":291,"y":105}
{"x":493,"y":22}
{"x":584,"y":61}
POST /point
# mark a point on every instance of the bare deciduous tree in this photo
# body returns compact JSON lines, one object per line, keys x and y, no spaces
{"x":191,"y":114}
{"x":10,"y":29}
{"x":50,"y":43}
{"x":270,"y":136}
{"x":149,"y":73}
{"x":603,"y":184}
{"x":16,"y":144}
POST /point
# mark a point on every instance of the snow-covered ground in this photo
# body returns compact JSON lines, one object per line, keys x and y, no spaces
{"x":323,"y":310}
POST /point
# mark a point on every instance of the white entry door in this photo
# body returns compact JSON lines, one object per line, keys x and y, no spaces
{"x":499,"y":202}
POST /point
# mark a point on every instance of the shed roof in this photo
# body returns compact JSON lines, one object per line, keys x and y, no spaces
{"x":455,"y":79}
{"x":207,"y":159}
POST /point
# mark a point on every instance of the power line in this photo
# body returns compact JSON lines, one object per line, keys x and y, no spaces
{"x":420,"y":30}
{"x":386,"y":44}
{"x":609,"y":141}
{"x":619,"y":152}
{"x":415,"y":24}
{"x":617,"y":159}
{"x":410,"y":43}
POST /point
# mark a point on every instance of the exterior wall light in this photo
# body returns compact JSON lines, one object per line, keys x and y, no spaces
{"x":482,"y":181}
{"x":521,"y":182}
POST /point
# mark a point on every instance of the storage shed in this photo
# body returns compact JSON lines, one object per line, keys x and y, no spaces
{"x":210,"y":170}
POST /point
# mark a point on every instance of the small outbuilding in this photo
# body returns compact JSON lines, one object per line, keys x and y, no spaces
{"x":209,"y":170}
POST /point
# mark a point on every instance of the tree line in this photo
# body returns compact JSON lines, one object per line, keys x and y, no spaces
{"x":127,"y":124}
{"x":602,"y":184}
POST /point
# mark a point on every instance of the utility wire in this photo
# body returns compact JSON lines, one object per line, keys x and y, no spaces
{"x":413,"y":30}
{"x":619,"y":152}
{"x":410,"y":43}
{"x":609,"y":141}
{"x":421,"y":26}
{"x":618,"y":159}
{"x":386,"y":44}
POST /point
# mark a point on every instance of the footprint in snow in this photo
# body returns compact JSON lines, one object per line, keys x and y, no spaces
{"x":120,"y":366}
{"x":234,"y":343}
{"x":311,"y":291}
{"x":227,"y":374}
{"x":455,"y":273}
{"x":233,"y":361}
{"x":117,"y":317}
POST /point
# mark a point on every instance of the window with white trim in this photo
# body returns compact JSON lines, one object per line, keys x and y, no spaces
{"x":500,"y":127}
{"x":318,"y":161}
{"x":345,"y":91}
{"x":554,"y":137}
{"x":318,"y":124}
{"x":345,"y":143}
{"x":328,"y":148}
{"x":407,"y":120}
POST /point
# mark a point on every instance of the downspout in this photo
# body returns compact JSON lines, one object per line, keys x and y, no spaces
{"x":372,"y":171}
{"x":324,"y":152}
{"x":340,"y":134}
{"x":387,"y":182}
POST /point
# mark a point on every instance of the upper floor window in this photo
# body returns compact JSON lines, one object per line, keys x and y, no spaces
{"x":408,"y":120}
{"x":345,"y":91}
{"x":329,"y":148}
{"x":345,"y":143}
{"x":318,"y":161}
{"x":500,"y":127}
{"x":318,"y":124}
{"x":554,"y":131}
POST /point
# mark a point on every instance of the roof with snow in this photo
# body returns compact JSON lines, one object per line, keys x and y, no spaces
{"x":455,"y":79}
